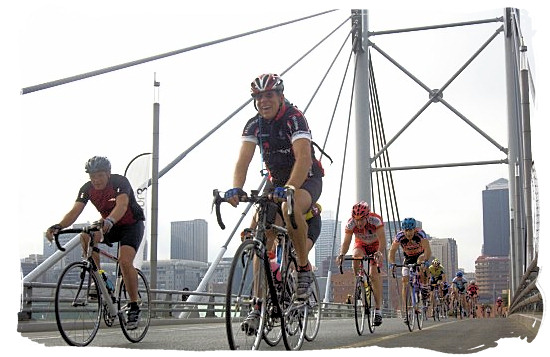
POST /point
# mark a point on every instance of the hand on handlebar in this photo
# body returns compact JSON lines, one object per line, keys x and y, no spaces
{"x":233,"y":196}
{"x":51,"y":231}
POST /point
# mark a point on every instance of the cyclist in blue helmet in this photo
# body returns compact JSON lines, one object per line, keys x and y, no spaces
{"x":122,"y":218}
{"x":459,"y":288}
{"x":416,"y":249}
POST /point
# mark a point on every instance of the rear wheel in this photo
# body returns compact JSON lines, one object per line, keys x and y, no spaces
{"x":76,"y":312}
{"x":370,"y":310}
{"x":144,"y":297}
{"x":314,"y":311}
{"x":294,"y":311}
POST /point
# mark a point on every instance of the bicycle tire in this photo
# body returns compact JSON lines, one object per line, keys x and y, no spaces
{"x":370,"y":310}
{"x":241,"y":298}
{"x":359,"y":304}
{"x":272,"y":332}
{"x":77,"y":315}
{"x":144,"y":302}
{"x":409,"y":308}
{"x":420,"y":313}
{"x":314,"y":311}
{"x":294,"y":322}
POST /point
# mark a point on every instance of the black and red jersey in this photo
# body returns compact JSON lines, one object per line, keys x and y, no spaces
{"x":104,"y":200}
{"x":275,"y":138}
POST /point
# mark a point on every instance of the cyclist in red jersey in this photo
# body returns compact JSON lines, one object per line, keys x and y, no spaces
{"x":122,"y":219}
{"x":368,"y":229}
{"x":472,"y":293}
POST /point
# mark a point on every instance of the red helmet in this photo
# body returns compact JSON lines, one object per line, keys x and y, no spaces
{"x":360,"y":210}
{"x":266,"y":82}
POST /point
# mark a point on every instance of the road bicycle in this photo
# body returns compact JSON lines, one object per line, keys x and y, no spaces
{"x":82,"y":297}
{"x":437,"y":305}
{"x":459,"y":308}
{"x":252,"y":286}
{"x":363,"y":294}
{"x":473,"y":306}
{"x":413,"y":307}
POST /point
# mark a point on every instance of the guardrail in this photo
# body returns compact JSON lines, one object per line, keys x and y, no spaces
{"x":527,"y":297}
{"x":38,"y":306}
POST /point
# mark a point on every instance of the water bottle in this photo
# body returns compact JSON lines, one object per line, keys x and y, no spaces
{"x":108,"y":283}
{"x":275,"y":271}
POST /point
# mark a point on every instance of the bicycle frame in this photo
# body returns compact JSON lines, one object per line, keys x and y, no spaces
{"x":414,"y":285}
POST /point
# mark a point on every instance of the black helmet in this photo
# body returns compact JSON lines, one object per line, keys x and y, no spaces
{"x":98,"y":163}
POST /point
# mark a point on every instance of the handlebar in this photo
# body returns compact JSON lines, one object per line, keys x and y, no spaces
{"x":254,"y":197}
{"x":94,"y":227}
{"x":365,"y":258}
{"x":410,"y":266}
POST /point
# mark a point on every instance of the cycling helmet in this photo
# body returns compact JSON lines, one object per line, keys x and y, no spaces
{"x":472,"y":282}
{"x":436,"y":262}
{"x":459,"y":274}
{"x":98,"y":163}
{"x":408,"y":223}
{"x":266,"y":82}
{"x":360,"y":210}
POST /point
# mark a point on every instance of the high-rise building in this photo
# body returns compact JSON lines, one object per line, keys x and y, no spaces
{"x":445,"y":249}
{"x":324,"y":244}
{"x":492,"y":277}
{"x":496,"y":219}
{"x":189,"y":240}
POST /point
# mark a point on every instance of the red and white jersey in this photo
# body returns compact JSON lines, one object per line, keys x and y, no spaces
{"x":367,"y":234}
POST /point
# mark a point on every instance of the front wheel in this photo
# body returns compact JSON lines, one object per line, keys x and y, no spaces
{"x":360,"y":305}
{"x":77,"y":308}
{"x":420,"y":312}
{"x":314,"y":311}
{"x":144,"y":318}
{"x":294,"y":311}
{"x":246,"y":291}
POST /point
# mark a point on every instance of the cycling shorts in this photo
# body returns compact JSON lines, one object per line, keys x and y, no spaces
{"x":366,"y":249}
{"x":130,"y":234}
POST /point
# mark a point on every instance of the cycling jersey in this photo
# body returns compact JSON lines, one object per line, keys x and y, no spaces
{"x":366,"y":235}
{"x":460,"y":283}
{"x":105,"y":200}
{"x":436,"y":272}
{"x":411,"y":248}
{"x":275,"y":138}
{"x":472,"y":290}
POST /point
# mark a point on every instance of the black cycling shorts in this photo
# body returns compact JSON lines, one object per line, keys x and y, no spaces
{"x":131,"y":234}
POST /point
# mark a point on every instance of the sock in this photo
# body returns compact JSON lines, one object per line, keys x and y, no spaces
{"x":306,"y":267}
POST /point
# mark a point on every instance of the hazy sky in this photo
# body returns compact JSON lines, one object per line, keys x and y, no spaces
{"x":59,"y":128}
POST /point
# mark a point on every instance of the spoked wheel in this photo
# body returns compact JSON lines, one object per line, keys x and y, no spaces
{"x":77,"y":313}
{"x":369,"y":309}
{"x":420,"y":313}
{"x":243,"y":295}
{"x":314,"y":311}
{"x":409,"y":308}
{"x":360,"y":305}
{"x":294,"y":311}
{"x":144,"y":302}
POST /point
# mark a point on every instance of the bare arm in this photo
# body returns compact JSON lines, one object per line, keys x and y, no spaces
{"x":427,"y":251}
{"x":302,"y":154}
{"x":391,"y":254}
{"x":344,"y":248}
{"x":241,"y":168}
{"x":121,"y":206}
{"x":381,"y":241}
{"x":68,"y":219}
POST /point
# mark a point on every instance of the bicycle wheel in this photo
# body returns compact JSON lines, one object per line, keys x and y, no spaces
{"x":409,"y":308}
{"x":420,"y":313}
{"x":246,"y":290}
{"x":314,"y":311}
{"x":144,"y":302}
{"x":369,"y":309}
{"x":360,"y":305}
{"x":294,"y":312}
{"x":77,"y":315}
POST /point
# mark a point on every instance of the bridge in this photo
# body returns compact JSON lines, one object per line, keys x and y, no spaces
{"x":373,"y":171}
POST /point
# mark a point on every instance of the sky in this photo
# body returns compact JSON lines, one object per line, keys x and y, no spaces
{"x":57,"y":129}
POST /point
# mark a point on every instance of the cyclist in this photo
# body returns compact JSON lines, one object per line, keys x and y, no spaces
{"x":437,"y":278}
{"x":121,"y":218}
{"x":459,"y":288}
{"x":472,"y":293}
{"x":498,"y":304}
{"x":446,"y":290}
{"x":416,"y":249}
{"x":283,"y":135}
{"x":368,"y":229}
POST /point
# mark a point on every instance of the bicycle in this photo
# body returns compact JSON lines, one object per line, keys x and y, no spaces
{"x":473,"y":308}
{"x":251,"y":285}
{"x":79,"y":309}
{"x":437,"y":305}
{"x":363,"y":295}
{"x":413,"y":310}
{"x":459,"y":308}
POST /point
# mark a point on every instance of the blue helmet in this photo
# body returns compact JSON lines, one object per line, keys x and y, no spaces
{"x":459,"y":274}
{"x":408,"y":223}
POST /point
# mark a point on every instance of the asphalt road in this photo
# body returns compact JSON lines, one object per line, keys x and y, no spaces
{"x":448,"y":336}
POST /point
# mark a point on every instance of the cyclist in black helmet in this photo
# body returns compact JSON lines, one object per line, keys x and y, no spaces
{"x":122,"y":218}
{"x":282,"y":133}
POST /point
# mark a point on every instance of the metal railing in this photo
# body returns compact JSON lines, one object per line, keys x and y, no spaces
{"x":527,"y":297}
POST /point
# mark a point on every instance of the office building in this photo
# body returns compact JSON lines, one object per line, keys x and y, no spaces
{"x":496,"y":219}
{"x":327,"y":244}
{"x":445,"y":249}
{"x":189,"y":240}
